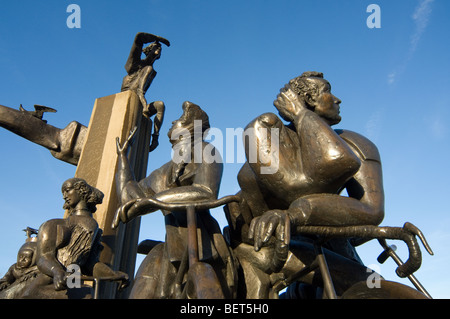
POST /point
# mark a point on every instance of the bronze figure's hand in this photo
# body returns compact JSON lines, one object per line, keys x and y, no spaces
{"x":154,"y":143}
{"x":273,"y":222}
{"x":122,"y":213}
{"x":288,"y":104}
{"x":59,"y":279}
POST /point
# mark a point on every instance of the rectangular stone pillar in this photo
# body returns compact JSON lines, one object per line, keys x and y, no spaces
{"x":114,"y":116}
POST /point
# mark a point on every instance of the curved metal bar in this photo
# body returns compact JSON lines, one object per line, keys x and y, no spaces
{"x":406,"y":233}
{"x":207,"y":204}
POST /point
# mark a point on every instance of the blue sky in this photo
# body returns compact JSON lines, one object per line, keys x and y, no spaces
{"x":231,"y":58}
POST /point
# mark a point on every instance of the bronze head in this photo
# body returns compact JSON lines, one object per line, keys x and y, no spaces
{"x":75,"y":190}
{"x":309,"y":90}
{"x":153,"y":51}
{"x":192,"y":113}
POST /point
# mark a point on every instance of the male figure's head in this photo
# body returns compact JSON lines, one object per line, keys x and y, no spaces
{"x":184,"y":128}
{"x":309,"y":90}
{"x":153,"y":51}
{"x":187,"y":132}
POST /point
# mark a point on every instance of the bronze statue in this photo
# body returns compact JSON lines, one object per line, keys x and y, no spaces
{"x":39,"y":111}
{"x":23,"y":271}
{"x":64,"y":144}
{"x":141,"y":74}
{"x":67,"y":143}
{"x":322,"y":161}
{"x":74,"y":240}
{"x":182,"y":181}
{"x":281,"y":214}
{"x":291,"y":227}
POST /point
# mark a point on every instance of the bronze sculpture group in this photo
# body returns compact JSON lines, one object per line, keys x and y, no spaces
{"x":287,"y":229}
{"x":62,"y":242}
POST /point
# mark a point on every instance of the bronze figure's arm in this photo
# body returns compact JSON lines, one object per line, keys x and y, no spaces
{"x":51,"y":236}
{"x":64,"y":144}
{"x":136,"y":49}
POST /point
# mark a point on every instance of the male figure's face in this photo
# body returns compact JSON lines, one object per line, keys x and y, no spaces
{"x":180,"y":126}
{"x":157,"y":52}
{"x":176,"y":131}
{"x":153,"y":51}
{"x":325,"y":104}
{"x":24,"y":258}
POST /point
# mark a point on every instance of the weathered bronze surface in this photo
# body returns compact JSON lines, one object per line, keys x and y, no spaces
{"x":64,"y":144}
{"x":39,"y":111}
{"x":276,"y":228}
{"x":60,"y":245}
{"x":288,"y":228}
{"x":141,"y":74}
{"x":23,"y":271}
{"x":164,"y":273}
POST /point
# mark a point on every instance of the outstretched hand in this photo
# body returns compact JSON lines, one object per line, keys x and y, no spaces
{"x":122,"y":213}
{"x":134,"y":208}
{"x":59,"y":279}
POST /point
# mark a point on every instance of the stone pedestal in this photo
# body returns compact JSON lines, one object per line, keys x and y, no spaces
{"x":114,"y":116}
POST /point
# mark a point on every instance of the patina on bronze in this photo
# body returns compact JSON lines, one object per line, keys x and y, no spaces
{"x":164,"y":272}
{"x":141,"y":74}
{"x":67,"y":143}
{"x":64,"y":144}
{"x":288,"y":228}
{"x":60,"y":243}
{"x":275,"y":228}
{"x":23,"y":271}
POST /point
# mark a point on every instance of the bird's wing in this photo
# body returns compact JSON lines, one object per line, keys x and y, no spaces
{"x":43,"y":108}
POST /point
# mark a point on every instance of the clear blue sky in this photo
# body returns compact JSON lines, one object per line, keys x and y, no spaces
{"x":231,"y":58}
